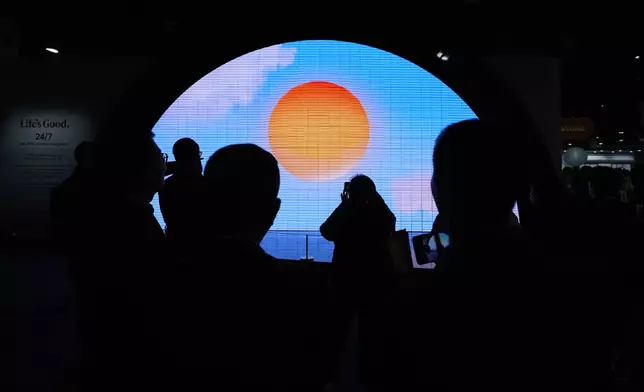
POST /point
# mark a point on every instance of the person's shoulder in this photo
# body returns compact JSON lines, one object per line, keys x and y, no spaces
{"x":236,"y":255}
{"x":287,"y":269}
{"x":64,"y":186}
{"x":58,"y":191}
{"x":301,"y":275}
{"x":170,"y":181}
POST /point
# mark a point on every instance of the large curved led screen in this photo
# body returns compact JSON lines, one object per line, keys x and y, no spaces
{"x":327,"y":110}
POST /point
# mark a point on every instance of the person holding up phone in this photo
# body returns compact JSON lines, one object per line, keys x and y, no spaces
{"x":345,"y":193}
{"x":360,"y":228}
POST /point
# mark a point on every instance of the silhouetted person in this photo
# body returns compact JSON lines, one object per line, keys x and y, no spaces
{"x":493,"y":316}
{"x":118,"y":257}
{"x":181,"y":197}
{"x":246,"y":319}
{"x":66,"y":200}
{"x":465,"y":331}
{"x":440,"y":225}
{"x":360,"y":227}
{"x":476,"y":197}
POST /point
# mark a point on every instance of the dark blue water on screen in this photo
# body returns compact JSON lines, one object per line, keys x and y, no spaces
{"x":291,"y":244}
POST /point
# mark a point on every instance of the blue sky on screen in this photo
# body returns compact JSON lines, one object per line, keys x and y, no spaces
{"x":407,"y":108}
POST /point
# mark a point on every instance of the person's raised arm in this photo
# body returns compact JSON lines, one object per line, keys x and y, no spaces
{"x":332,"y":227}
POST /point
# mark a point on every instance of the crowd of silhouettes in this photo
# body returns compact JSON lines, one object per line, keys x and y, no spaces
{"x":603,"y":183}
{"x":551,"y":303}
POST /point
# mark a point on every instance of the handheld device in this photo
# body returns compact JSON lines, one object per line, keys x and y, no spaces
{"x":428,"y":247}
{"x":345,"y":192}
{"x":421,"y":248}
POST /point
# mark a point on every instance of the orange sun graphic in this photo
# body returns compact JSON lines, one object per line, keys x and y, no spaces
{"x":318,"y":131}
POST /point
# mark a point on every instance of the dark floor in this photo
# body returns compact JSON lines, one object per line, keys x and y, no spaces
{"x":39,"y":347}
{"x":38,"y":344}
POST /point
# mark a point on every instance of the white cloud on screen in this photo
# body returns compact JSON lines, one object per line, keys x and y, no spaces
{"x":238,"y":81}
{"x":413,"y":194}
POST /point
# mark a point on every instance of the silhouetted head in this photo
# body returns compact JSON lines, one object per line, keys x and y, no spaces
{"x":243,"y":182}
{"x":362,"y":188}
{"x":131,"y":163}
{"x":84,"y":155}
{"x":477,"y":173}
{"x":187,"y":154}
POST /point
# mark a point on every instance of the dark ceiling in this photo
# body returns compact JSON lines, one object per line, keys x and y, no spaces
{"x":601,"y":78}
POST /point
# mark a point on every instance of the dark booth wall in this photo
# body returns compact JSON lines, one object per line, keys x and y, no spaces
{"x":47,"y":107}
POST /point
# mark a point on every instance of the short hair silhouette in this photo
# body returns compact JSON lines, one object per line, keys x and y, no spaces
{"x":361,"y":187}
{"x":242,"y":182}
{"x":118,"y":151}
{"x":131,"y":159}
{"x":186,"y":149}
{"x":477,"y":170}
